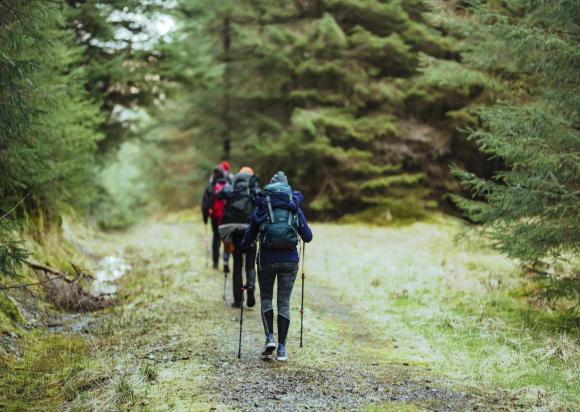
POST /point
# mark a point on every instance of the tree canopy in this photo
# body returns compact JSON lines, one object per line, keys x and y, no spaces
{"x":362,"y":99}
{"x":110,"y":106}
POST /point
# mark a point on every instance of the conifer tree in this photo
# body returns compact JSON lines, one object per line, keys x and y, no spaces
{"x":343,"y":94}
{"x":48,"y":125}
{"x":532,"y":208}
{"x":119,"y":53}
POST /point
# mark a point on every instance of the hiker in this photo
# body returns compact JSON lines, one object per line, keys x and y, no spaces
{"x":240,"y":199}
{"x":225,"y":165}
{"x":212,"y":208}
{"x":279,"y":221}
{"x":229,"y":176}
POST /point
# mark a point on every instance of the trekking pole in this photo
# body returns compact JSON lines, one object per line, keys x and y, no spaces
{"x":302,"y":300}
{"x":241,"y":322}
{"x":225,"y":283}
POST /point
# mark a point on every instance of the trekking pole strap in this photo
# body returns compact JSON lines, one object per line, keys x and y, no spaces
{"x":270,"y":211}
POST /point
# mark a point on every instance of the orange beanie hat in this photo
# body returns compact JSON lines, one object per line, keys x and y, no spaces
{"x":248,"y":170}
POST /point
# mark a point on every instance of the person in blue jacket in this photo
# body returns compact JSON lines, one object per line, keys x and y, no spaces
{"x":277,"y":261}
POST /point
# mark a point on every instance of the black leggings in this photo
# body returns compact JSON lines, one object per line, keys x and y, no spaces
{"x":250,"y":261}
{"x":286,"y":274}
{"x":215,"y":246}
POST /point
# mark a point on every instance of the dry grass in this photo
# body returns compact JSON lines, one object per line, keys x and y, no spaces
{"x":396,"y":319}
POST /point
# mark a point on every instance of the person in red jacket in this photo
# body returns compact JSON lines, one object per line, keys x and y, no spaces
{"x":226,"y":167}
{"x":212,"y":208}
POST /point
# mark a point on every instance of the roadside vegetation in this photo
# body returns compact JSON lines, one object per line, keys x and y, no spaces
{"x":437,"y":145}
{"x":428,"y":320}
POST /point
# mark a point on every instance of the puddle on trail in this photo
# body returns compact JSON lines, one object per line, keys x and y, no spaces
{"x":110,"y":269}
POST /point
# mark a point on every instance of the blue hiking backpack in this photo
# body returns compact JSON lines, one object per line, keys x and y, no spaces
{"x":280,"y":231}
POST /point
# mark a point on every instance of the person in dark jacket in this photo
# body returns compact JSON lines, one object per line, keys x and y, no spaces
{"x":212,"y":209}
{"x":240,"y":198}
{"x":276,"y":263}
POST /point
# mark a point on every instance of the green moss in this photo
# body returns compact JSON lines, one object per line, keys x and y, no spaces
{"x":45,"y":378}
{"x":9,"y":309}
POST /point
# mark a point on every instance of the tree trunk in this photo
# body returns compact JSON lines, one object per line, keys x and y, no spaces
{"x":226,"y":116}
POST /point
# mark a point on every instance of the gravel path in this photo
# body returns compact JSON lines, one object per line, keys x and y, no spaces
{"x":177,"y":323}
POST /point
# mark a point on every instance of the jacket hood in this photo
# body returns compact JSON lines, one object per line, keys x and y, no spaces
{"x":279,"y":177}
{"x":280,"y":199}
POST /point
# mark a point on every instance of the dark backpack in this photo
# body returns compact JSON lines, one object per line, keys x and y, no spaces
{"x":240,"y":205}
{"x":281,"y":228}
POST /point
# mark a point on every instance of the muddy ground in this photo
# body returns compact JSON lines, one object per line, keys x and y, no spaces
{"x":172,"y":343}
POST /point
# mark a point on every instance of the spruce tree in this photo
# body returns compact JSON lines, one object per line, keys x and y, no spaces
{"x":343,"y":94}
{"x":48,"y":124}
{"x":532,"y":208}
{"x":118,"y":43}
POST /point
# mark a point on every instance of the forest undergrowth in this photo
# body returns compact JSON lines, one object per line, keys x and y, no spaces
{"x":401,"y":318}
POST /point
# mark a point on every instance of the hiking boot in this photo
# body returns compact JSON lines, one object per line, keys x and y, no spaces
{"x":269,"y":346}
{"x":251,"y":298}
{"x":226,"y":268}
{"x":281,"y":355}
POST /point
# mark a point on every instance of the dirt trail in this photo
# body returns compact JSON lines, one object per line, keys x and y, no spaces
{"x":176,"y":324}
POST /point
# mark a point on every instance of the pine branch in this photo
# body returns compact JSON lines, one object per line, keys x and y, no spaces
{"x":58,"y":275}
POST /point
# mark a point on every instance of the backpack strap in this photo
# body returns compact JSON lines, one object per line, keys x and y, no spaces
{"x":290,"y":214}
{"x":270,"y":211}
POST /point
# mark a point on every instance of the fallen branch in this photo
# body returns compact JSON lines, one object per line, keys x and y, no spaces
{"x":61,"y":275}
{"x":68,"y":294}
{"x":46,"y":269}
{"x":25,"y":285}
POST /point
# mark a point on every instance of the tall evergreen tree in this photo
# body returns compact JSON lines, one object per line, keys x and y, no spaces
{"x":532,"y":209}
{"x":119,"y":39}
{"x":344,"y":94}
{"x":48,"y":123}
